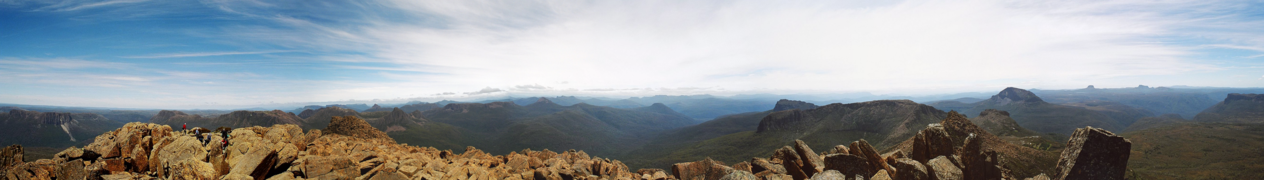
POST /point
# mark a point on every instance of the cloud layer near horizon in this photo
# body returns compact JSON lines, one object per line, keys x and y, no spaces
{"x":428,"y":48}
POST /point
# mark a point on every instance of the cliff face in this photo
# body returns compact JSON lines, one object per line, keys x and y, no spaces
{"x":50,"y":129}
{"x":1236,"y":108}
{"x":786,"y":104}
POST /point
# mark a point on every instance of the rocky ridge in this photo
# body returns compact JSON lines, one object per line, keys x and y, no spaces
{"x":350,"y":149}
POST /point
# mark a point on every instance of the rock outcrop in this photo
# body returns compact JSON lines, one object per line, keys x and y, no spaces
{"x":1093,"y":153}
{"x":355,"y":127}
{"x":10,"y":156}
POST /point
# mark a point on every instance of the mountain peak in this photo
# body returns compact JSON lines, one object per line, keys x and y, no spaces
{"x":543,"y":100}
{"x":786,"y":104}
{"x":1015,"y":95}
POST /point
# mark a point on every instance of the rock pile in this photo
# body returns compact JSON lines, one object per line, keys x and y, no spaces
{"x":935,"y":155}
{"x":350,"y":149}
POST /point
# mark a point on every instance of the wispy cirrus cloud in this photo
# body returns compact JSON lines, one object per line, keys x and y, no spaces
{"x":75,"y":5}
{"x":203,"y":54}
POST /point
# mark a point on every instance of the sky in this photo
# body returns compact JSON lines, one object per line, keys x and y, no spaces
{"x":241,"y":53}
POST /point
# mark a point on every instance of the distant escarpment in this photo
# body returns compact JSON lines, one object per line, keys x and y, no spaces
{"x":786,"y":104}
{"x":51,"y":129}
{"x":146,"y":151}
{"x":232,"y":119}
{"x":1236,"y":108}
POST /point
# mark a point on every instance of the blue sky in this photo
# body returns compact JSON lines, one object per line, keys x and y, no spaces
{"x":244,"y":53}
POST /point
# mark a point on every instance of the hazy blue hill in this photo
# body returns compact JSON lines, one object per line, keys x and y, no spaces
{"x":569,"y":129}
{"x":234,"y":119}
{"x":661,"y":150}
{"x":1032,"y":112}
{"x":506,"y":126}
{"x":1239,"y":108}
{"x":1186,"y":101}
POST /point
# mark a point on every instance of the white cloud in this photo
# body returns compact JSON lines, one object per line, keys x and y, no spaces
{"x":752,"y":45}
{"x":203,"y":54}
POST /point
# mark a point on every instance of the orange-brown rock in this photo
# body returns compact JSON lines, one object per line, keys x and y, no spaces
{"x":811,"y":162}
{"x":355,"y":127}
{"x":10,"y":156}
{"x":698,"y":170}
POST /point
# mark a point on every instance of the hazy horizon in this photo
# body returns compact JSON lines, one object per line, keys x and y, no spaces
{"x":222,"y":54}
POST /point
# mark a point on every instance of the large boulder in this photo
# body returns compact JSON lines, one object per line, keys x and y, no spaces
{"x":848,"y":164}
{"x":705,"y":169}
{"x":1094,"y":153}
{"x":811,"y":162}
{"x":977,"y":163}
{"x":256,"y":162}
{"x":829,"y":175}
{"x":739,"y":175}
{"x":790,"y":160}
{"x":180,"y":148}
{"x":759,"y":165}
{"x":876,"y":162}
{"x":942,"y":168}
{"x":910,"y":169}
{"x":192,"y":169}
{"x":930,"y":143}
{"x":330,"y":167}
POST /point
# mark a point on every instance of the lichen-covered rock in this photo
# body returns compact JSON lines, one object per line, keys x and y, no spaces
{"x":705,"y":169}
{"x":829,"y":175}
{"x":790,"y":160}
{"x":848,"y":164}
{"x":941,"y":168}
{"x":335,"y":167}
{"x":930,"y":143}
{"x":760,"y":165}
{"x":739,"y":175}
{"x":192,"y":169}
{"x":1094,"y":153}
{"x":910,"y":169}
{"x":811,"y":162}
{"x":881,"y":175}
{"x":876,"y":162}
{"x":978,"y":164}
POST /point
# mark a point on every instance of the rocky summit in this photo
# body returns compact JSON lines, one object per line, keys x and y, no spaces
{"x":351,"y":149}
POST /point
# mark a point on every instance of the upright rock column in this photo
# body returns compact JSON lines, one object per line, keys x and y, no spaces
{"x":1094,"y":153}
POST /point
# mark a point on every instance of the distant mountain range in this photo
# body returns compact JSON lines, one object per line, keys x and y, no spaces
{"x":1034,"y":113}
{"x":51,"y":129}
